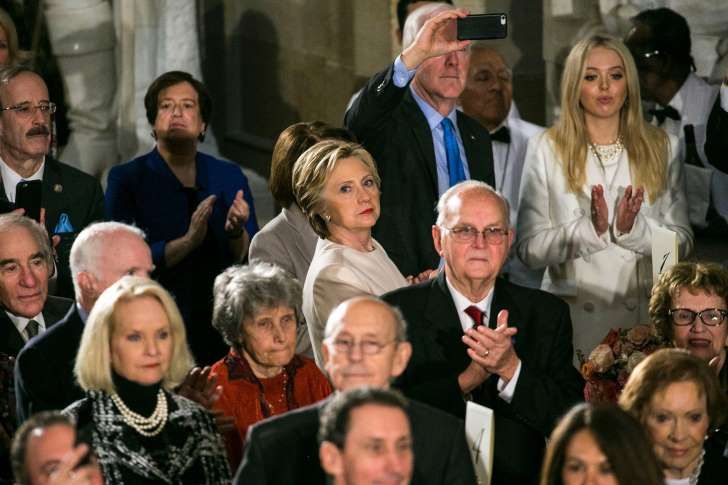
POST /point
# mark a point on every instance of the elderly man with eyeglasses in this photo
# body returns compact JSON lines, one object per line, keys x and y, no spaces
{"x":365,"y":344}
{"x":476,"y":336}
{"x":72,"y":199}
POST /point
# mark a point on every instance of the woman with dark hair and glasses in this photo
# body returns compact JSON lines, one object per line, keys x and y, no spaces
{"x":196,"y":210}
{"x":257,"y":311}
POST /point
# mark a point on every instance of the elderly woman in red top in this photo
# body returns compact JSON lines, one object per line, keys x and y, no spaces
{"x":257,"y":309}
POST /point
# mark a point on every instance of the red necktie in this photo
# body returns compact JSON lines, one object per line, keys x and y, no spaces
{"x":477,"y":316}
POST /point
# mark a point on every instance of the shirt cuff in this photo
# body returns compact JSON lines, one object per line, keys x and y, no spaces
{"x":401,"y":75}
{"x":724,"y":96}
{"x":506,"y":391}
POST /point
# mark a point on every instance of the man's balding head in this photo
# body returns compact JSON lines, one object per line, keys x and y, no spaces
{"x":365,"y":344}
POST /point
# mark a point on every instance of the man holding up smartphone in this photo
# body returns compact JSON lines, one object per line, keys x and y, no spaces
{"x":71,"y":198}
{"x":406,"y":118}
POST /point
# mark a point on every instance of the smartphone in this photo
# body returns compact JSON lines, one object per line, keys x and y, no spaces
{"x":28,"y":196}
{"x":483,"y":26}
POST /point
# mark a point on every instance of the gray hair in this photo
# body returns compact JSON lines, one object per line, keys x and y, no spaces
{"x":90,"y":242}
{"x":11,"y":221}
{"x":417,"y":19}
{"x":335,"y":317}
{"x":476,"y":185}
{"x":240,"y":292}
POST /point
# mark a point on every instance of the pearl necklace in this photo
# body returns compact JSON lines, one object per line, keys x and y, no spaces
{"x":696,"y":473}
{"x":150,"y":426}
{"x":607,"y":152}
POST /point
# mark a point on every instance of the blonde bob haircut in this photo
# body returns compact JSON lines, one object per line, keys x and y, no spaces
{"x":93,"y":361}
{"x":311,"y":172}
{"x":646,"y":145}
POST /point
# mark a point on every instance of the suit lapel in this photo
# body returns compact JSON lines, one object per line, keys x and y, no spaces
{"x":422,"y":133}
{"x":52,"y":182}
{"x":10,"y":339}
{"x":442,"y":318}
{"x":475,"y":145}
{"x":503,"y":300}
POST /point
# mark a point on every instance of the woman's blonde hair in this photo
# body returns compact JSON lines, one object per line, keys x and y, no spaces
{"x":93,"y":361}
{"x":15,"y":55}
{"x":646,"y":145}
{"x":312,"y":170}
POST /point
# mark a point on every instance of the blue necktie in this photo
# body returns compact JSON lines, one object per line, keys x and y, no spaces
{"x":455,"y":168}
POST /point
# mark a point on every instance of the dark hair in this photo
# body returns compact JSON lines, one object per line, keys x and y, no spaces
{"x":171,"y":78}
{"x":619,"y":436}
{"x":669,"y":33}
{"x":689,"y":276}
{"x":291,"y":144}
{"x":402,"y":11}
{"x":336,"y":415}
{"x":42,"y":420}
{"x":665,"y":367}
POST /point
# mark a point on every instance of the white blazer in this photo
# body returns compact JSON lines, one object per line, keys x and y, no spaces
{"x":606,"y":280}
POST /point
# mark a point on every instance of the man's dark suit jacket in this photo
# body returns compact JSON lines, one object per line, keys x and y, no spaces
{"x":716,"y":137}
{"x":44,"y":368}
{"x":11,"y":341}
{"x":284,"y":449}
{"x":548,"y":384}
{"x":391,"y":126}
{"x":69,"y":191}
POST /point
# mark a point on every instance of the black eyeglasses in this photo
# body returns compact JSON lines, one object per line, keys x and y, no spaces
{"x":468,"y":234}
{"x":710,"y":316}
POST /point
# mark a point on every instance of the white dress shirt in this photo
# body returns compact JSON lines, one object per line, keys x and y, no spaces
{"x":11,"y":178}
{"x":21,"y":323}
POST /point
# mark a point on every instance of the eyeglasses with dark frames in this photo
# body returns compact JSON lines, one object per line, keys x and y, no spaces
{"x":711,"y":317}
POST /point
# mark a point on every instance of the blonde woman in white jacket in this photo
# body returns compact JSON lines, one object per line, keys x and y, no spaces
{"x":595,"y":188}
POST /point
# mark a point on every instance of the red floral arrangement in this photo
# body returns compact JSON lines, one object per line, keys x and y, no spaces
{"x":609,"y":365}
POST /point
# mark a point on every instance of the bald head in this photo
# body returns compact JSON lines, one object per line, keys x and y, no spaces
{"x":365,"y":344}
{"x":488,"y":90}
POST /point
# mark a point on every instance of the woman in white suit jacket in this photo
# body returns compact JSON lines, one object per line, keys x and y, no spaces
{"x":336,"y":184}
{"x":596,"y":188}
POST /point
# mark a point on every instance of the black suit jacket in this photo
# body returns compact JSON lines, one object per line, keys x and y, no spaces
{"x":69,"y":191}
{"x":548,"y":384}
{"x":388,"y":122}
{"x":284,"y":449}
{"x":716,"y":137}
{"x":44,"y":377}
{"x":11,"y":341}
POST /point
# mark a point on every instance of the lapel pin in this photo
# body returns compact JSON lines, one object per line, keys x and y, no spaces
{"x":58,"y":188}
{"x":472,"y":137}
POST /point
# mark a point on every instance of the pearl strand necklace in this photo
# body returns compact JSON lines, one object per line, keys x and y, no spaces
{"x":150,"y":426}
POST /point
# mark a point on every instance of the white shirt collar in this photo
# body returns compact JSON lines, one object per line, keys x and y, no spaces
{"x":11,"y":178}
{"x":21,"y":323}
{"x":462,"y":302}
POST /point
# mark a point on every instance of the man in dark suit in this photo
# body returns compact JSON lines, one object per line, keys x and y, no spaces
{"x":406,"y":118}
{"x":365,"y":344}
{"x":25,"y":307}
{"x":101,"y":254}
{"x":476,"y":336}
{"x":71,"y":198}
{"x":25,"y":263}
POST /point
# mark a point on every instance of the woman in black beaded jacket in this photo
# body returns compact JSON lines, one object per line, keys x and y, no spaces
{"x":133,"y":352}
